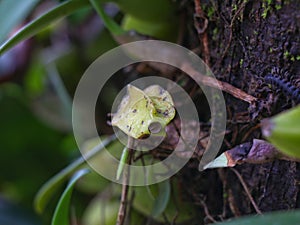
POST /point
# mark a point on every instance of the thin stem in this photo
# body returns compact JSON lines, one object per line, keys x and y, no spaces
{"x":123,"y":162}
{"x":211,"y":82}
{"x":246,"y":190}
{"x":125,"y":186}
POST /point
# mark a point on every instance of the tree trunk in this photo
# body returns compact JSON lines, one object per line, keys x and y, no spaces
{"x":243,"y":42}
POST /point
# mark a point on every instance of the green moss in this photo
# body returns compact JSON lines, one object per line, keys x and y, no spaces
{"x":270,"y":50}
{"x":266,"y":5}
{"x":210,"y":12}
{"x":241,"y":62}
{"x":278,"y":7}
{"x":234,"y":8}
{"x":215,"y":33}
{"x":286,"y":54}
{"x":295,"y":58}
{"x":225,"y":195}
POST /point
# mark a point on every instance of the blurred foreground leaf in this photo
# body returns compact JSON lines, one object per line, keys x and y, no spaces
{"x":12,"y":14}
{"x":43,"y":21}
{"x":28,"y":147}
{"x":145,"y":202}
{"x":48,"y":189}
{"x":283,"y":131}
{"x":101,"y":211}
{"x":123,"y":161}
{"x":276,"y":218}
{"x":61,"y":214}
{"x":110,"y":24}
{"x":162,"y":200}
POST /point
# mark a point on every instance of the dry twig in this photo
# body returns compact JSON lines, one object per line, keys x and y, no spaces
{"x":206,"y":211}
{"x":212,"y":82}
{"x":246,"y":190}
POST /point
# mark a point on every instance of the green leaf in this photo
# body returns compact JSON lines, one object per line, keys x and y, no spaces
{"x":34,"y":79}
{"x":101,"y":210}
{"x":276,"y":218}
{"x":161,"y":201}
{"x":146,"y":201}
{"x":122,"y":163}
{"x":61,"y":214}
{"x":283,"y":131}
{"x":109,"y":23}
{"x":163,"y":30}
{"x":43,"y":21}
{"x":141,"y":108}
{"x":12,"y":14}
{"x":162,"y":101}
{"x":156,"y":11}
{"x":50,"y":187}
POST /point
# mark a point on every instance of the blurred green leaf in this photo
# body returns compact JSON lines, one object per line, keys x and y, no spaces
{"x":276,"y":218}
{"x":161,"y":201}
{"x":34,"y":81}
{"x":12,"y":14}
{"x":48,"y":189}
{"x":101,"y":211}
{"x":137,"y":218}
{"x":122,"y":163}
{"x":43,"y":21}
{"x":61,"y":214}
{"x":283,"y":131}
{"x":92,"y":183}
{"x":110,"y":24}
{"x":107,"y":164}
{"x":145,"y":203}
{"x":156,"y":11}
{"x":28,"y":145}
{"x":162,"y":30}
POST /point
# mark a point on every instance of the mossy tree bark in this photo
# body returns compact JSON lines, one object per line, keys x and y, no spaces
{"x":246,"y":40}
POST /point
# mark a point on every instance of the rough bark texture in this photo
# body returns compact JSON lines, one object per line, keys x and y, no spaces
{"x":247,"y":40}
